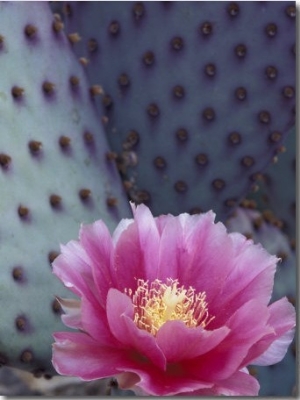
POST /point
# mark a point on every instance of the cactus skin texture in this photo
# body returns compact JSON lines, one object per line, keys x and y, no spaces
{"x":54,"y":175}
{"x":278,"y":379}
{"x":198,"y":95}
{"x":277,"y":187}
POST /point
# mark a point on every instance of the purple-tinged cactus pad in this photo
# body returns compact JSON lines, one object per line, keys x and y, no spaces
{"x":277,"y":187}
{"x":54,"y":175}
{"x":195,"y":93}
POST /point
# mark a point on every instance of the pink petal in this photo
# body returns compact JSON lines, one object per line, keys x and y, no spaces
{"x":96,"y":240}
{"x":251,"y":277}
{"x":128,"y":263}
{"x":206,"y":392}
{"x":94,"y":322}
{"x":122,"y":226}
{"x":126,"y":380}
{"x":149,"y":239}
{"x":120,"y":319}
{"x":205,"y":255}
{"x":72,"y":310}
{"x":238,"y":384}
{"x":247,"y":325}
{"x":178,"y":342}
{"x":170,"y":250}
{"x":154,"y":382}
{"x":77,"y":354}
{"x":276,"y":351}
{"x":161,"y":222}
{"x":274,"y":347}
{"x":191,"y":248}
{"x":73,"y":268}
{"x":136,"y":251}
{"x":174,"y":250}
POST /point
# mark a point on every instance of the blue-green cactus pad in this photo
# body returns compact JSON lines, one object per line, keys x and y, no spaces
{"x":54,"y":175}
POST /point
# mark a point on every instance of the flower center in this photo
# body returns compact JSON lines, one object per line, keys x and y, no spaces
{"x":159,"y":302}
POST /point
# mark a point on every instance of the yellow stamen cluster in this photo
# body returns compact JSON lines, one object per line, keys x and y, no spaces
{"x":159,"y":302}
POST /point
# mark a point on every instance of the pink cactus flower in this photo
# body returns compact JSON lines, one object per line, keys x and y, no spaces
{"x":172,"y":305}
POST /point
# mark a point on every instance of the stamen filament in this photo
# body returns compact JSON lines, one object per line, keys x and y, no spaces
{"x":159,"y":302}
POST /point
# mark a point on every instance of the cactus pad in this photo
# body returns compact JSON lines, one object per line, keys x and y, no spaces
{"x":277,"y":187}
{"x":54,"y":175}
{"x":198,"y":95}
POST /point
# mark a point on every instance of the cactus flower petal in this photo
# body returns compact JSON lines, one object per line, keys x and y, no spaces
{"x":170,"y":306}
{"x":74,"y":352}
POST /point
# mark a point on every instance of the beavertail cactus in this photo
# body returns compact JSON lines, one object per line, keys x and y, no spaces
{"x":198,"y":95}
{"x":54,"y":174}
